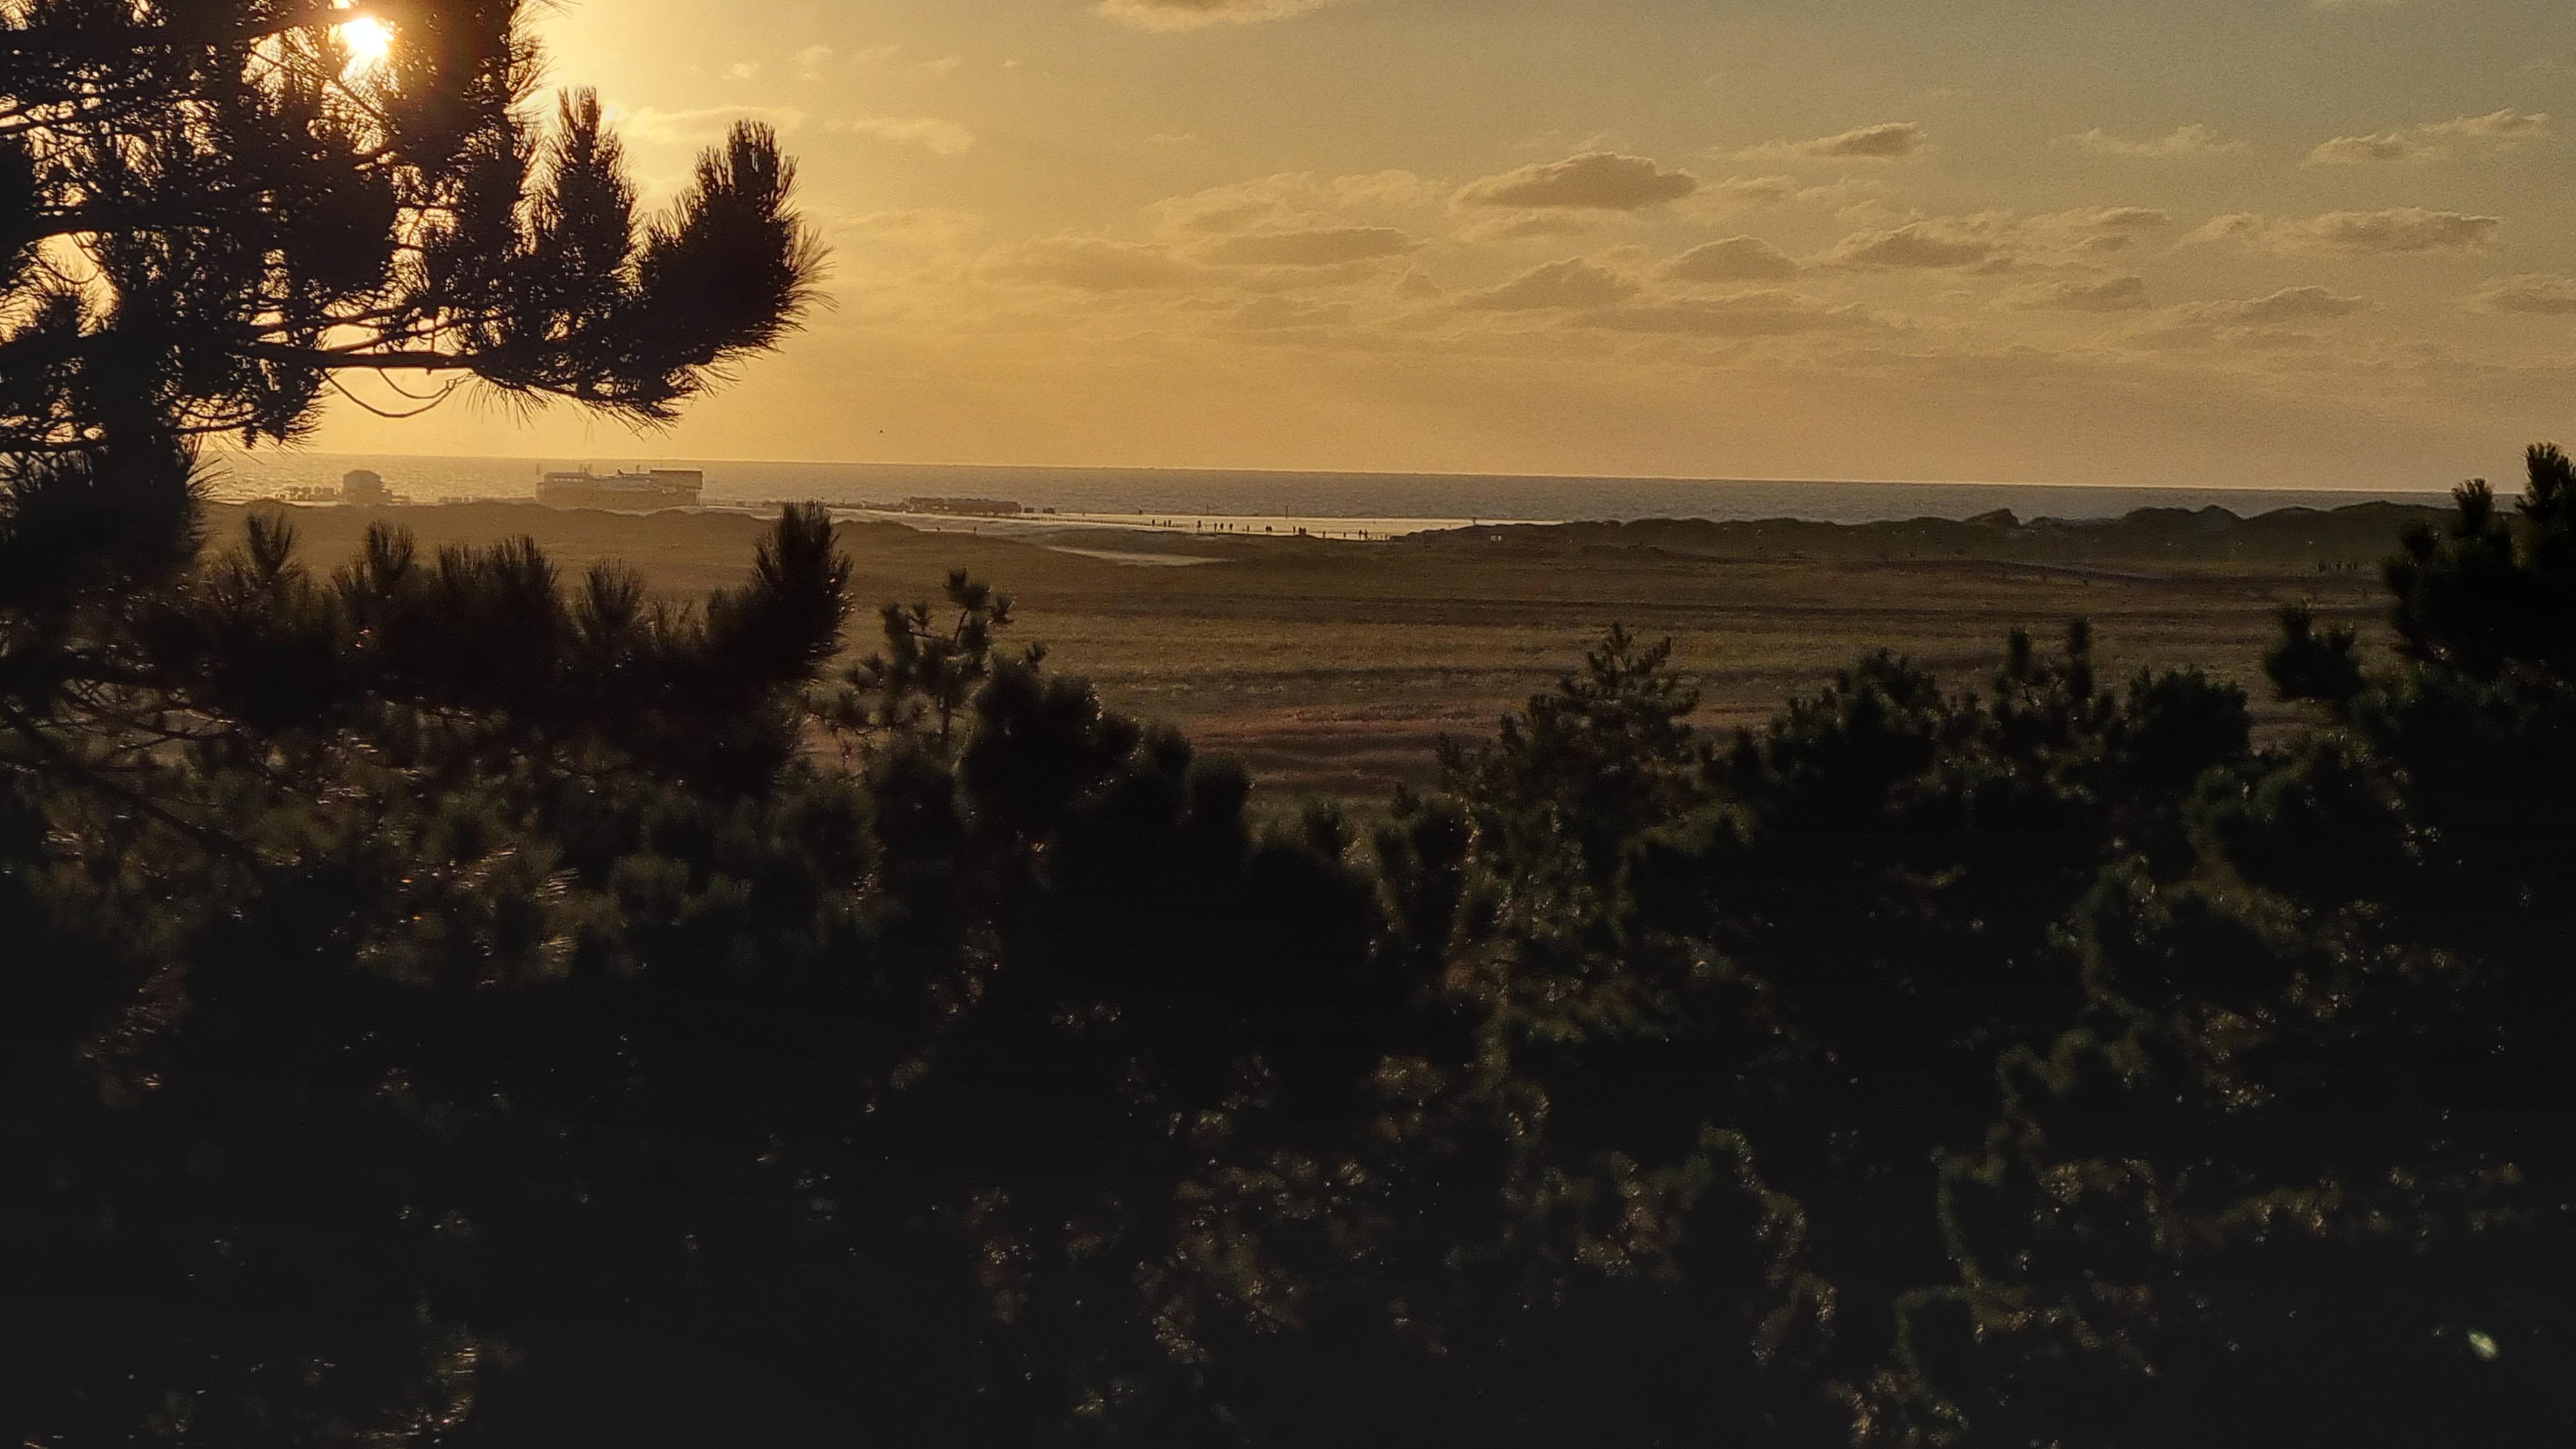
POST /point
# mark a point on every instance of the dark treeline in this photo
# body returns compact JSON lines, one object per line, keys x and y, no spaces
{"x":442,"y":1001}
{"x":2354,"y":534}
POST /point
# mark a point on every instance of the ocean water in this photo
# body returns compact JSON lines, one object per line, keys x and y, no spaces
{"x":1282,"y":498}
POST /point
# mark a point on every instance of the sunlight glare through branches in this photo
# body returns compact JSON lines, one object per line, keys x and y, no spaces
{"x":369,"y":41}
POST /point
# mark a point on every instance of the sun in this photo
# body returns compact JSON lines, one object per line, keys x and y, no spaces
{"x":368,"y":40}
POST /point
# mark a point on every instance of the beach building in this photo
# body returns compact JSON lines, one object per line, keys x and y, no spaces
{"x":639,"y":491}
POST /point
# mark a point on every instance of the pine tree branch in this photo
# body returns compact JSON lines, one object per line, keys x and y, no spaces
{"x":189,"y":27}
{"x":62,"y":764}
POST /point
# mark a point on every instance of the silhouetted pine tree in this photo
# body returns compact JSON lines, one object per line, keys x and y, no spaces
{"x":271,"y":839}
{"x":209,"y":216}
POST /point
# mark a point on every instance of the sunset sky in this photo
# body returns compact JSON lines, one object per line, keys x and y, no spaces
{"x":2257,"y":242}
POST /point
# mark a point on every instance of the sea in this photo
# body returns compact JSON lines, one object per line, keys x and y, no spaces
{"x":1374,"y":504}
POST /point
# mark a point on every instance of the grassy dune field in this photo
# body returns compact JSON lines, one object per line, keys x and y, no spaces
{"x":1335,"y":666}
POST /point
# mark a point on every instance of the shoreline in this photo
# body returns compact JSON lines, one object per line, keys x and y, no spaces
{"x":1039,"y":526}
{"x":1319,"y":502}
{"x":1147,"y":472}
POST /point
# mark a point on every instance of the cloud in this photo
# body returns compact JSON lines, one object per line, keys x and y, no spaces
{"x":909,"y":224}
{"x":1382,"y":188}
{"x":1757,"y":190}
{"x":2537,"y":294}
{"x":1746,"y":314}
{"x":1921,"y":245}
{"x":2290,"y":304}
{"x":703,"y":124}
{"x":1858,"y":200}
{"x":2506,"y":124}
{"x":1735,"y":259}
{"x":811,"y":60}
{"x":899,"y":246}
{"x":1323,"y":246}
{"x":2113,"y":294}
{"x":1288,"y":200}
{"x":1193,"y":14}
{"x":2194,"y":334}
{"x":1232,"y":207}
{"x":1091,"y":264}
{"x":1996,"y":241}
{"x":2095,"y":228}
{"x":945,"y":138}
{"x":1573,"y":282}
{"x":1594,"y":181}
{"x":2399,"y":230}
{"x":2431,"y":141}
{"x":2192,"y":140}
{"x":1523,"y":225}
{"x":1886,"y":141}
{"x":2386,"y":146}
{"x":1270,"y":314}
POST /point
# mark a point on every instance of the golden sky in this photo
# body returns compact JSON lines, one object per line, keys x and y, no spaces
{"x":2250,"y":242}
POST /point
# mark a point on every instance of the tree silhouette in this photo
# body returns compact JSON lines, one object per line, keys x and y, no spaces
{"x":267,"y":833}
{"x":211,"y":214}
{"x":2303,"y":1157}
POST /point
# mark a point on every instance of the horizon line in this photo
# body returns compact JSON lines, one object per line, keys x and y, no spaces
{"x":540,"y":459}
